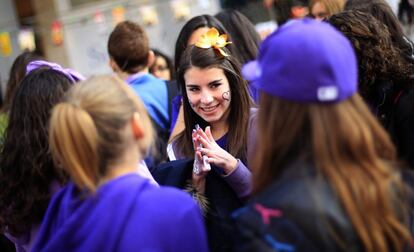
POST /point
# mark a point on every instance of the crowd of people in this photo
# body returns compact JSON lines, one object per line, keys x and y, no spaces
{"x":298,"y":142}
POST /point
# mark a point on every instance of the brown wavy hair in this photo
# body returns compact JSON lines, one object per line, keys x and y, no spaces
{"x":382,"y":11}
{"x":350,"y":150}
{"x":26,"y":166}
{"x":378,"y":57}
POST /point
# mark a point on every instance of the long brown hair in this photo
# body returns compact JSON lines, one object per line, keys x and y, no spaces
{"x":87,"y":131}
{"x":350,"y":149}
{"x":382,"y":11}
{"x":26,"y":166}
{"x":239,"y":106}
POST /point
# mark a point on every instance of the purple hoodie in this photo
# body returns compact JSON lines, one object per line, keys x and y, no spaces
{"x":125,"y":214}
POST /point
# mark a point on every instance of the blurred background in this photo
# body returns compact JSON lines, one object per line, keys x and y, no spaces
{"x":74,"y":33}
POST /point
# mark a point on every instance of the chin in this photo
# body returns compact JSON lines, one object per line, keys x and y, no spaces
{"x":212,"y":120}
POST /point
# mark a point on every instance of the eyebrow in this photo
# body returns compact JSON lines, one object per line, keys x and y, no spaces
{"x":213,"y":82}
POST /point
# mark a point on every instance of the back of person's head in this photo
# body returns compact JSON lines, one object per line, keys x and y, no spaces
{"x":240,"y":102}
{"x":88,"y":130}
{"x":245,"y":38}
{"x":159,"y":70}
{"x":378,"y":57}
{"x":16,"y":74}
{"x":382,"y":11}
{"x":128,"y":47}
{"x":310,"y":111}
{"x":197,"y":22}
{"x":26,"y":165}
{"x":330,"y":7}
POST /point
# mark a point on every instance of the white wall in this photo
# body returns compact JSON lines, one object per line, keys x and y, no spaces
{"x":86,"y":41}
{"x":393,"y":4}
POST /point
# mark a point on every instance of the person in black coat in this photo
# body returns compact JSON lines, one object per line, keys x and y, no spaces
{"x":385,"y":77}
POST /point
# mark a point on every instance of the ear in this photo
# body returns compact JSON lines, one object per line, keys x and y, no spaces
{"x":113,"y":65}
{"x":151,"y":58}
{"x":136,"y":126}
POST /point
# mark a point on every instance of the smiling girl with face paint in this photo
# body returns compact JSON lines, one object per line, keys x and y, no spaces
{"x":215,"y":97}
{"x":218,"y":117}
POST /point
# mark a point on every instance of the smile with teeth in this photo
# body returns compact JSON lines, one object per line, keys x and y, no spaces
{"x":209,"y":108}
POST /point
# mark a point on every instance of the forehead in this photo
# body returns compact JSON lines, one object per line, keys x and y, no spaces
{"x":318,"y":7}
{"x":159,"y":60}
{"x":203,"y":76}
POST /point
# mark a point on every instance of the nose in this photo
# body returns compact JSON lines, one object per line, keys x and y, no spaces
{"x":206,"y":97}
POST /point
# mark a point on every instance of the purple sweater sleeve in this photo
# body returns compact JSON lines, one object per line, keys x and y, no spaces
{"x":240,"y":180}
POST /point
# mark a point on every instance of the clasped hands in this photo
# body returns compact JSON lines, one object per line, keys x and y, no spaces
{"x":205,"y":145}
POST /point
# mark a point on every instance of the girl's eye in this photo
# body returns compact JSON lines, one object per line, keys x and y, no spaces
{"x":215,"y":85}
{"x":193,"y":89}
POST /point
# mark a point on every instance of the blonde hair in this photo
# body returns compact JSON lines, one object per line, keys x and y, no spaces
{"x":332,"y":6}
{"x":350,"y":150}
{"x":87,"y":130}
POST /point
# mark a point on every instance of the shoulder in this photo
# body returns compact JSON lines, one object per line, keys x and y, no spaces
{"x":299,"y":211}
{"x":166,"y":200}
{"x":167,"y":197}
{"x":148,"y":81}
{"x":403,"y":107}
{"x":405,"y":99}
{"x":151,"y":78}
{"x":160,"y":210}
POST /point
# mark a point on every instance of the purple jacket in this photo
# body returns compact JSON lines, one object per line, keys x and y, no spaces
{"x":125,"y":214}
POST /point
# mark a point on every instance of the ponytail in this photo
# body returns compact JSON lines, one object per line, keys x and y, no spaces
{"x":88,"y":132}
{"x":73,"y":140}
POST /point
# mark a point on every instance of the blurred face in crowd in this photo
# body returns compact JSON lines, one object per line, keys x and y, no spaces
{"x":160,"y":69}
{"x":319,"y":11}
{"x":208,"y":92}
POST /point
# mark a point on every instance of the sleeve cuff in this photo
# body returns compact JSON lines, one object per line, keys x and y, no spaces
{"x":240,"y":180}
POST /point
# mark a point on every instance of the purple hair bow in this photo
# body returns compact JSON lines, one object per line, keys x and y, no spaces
{"x":69,"y":73}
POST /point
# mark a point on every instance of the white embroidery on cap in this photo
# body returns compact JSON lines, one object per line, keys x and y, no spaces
{"x":327,"y":93}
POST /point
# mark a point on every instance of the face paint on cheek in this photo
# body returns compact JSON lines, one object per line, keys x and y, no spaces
{"x":191,"y":104}
{"x":226,"y":96}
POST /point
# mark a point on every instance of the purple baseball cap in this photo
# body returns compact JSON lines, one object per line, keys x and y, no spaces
{"x":305,"y":61}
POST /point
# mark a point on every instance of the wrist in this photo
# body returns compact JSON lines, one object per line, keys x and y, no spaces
{"x":231,"y":165}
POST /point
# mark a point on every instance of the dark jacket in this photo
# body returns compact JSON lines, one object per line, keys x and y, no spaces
{"x":298,"y":212}
{"x":393,"y":105}
{"x":221,"y":197}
